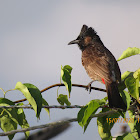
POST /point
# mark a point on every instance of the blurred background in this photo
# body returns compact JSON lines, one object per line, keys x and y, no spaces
{"x":33,"y":45}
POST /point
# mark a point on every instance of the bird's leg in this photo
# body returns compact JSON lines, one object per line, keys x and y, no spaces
{"x":89,"y":87}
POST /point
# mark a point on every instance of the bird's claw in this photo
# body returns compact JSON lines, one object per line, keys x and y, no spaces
{"x":88,"y":87}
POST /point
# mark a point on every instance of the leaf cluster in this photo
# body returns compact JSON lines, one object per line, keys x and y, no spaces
{"x":129,"y":89}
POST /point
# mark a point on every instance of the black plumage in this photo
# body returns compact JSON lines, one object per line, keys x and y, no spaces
{"x":100,"y":64}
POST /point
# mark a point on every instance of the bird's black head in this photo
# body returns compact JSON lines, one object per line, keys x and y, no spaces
{"x":85,"y":37}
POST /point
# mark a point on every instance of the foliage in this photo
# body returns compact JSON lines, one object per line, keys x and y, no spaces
{"x":129,"y":89}
{"x":63,"y":99}
{"x":66,"y":77}
{"x":129,"y":52}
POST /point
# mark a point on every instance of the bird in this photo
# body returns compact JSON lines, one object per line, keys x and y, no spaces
{"x":100,"y":64}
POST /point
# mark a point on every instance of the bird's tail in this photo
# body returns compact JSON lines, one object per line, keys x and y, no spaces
{"x":114,"y":98}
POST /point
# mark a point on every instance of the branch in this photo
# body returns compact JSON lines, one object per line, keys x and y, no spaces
{"x":132,"y":107}
{"x":45,"y":106}
{"x":53,"y":124}
{"x":60,"y":85}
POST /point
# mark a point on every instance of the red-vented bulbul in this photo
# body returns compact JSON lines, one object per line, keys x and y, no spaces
{"x":100,"y":64}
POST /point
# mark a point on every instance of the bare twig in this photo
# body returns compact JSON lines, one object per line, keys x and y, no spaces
{"x":45,"y":106}
{"x":52,"y":124}
{"x":60,"y":85}
{"x":58,"y":106}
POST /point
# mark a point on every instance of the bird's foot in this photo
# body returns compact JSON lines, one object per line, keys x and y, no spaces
{"x":88,"y":87}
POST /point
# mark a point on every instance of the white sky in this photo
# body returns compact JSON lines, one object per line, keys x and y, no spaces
{"x":33,"y":45}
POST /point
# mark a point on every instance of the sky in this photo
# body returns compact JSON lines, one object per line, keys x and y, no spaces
{"x":33,"y":45}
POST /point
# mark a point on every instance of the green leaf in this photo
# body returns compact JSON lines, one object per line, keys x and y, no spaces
{"x":45,"y":103}
{"x":133,"y":87}
{"x":88,"y":121}
{"x":126,"y":98}
{"x":126,"y":136}
{"x":81,"y":114}
{"x":129,"y":52}
{"x":67,"y":67}
{"x":7,"y":124}
{"x":105,"y":124}
{"x":63,"y":99}
{"x":85,"y":113}
{"x":136,"y":74}
{"x":66,"y":77}
{"x":8,"y":117}
{"x":11,"y":112}
{"x":101,"y":103}
{"x":134,"y":124}
{"x":6,"y":102}
{"x":32,"y":94}
{"x":22,"y":119}
{"x":126,"y":74}
{"x":104,"y":127}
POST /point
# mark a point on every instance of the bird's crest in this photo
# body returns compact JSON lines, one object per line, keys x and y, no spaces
{"x":85,"y":31}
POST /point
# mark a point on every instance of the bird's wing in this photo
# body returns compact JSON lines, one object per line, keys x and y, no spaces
{"x":97,"y":62}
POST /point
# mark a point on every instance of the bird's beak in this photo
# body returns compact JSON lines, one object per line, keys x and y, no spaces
{"x":73,"y":42}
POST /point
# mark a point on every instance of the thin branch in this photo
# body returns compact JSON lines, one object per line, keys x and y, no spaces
{"x":60,"y":85}
{"x":45,"y":106}
{"x":74,"y":85}
{"x":53,"y":124}
{"x":59,"y":106}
